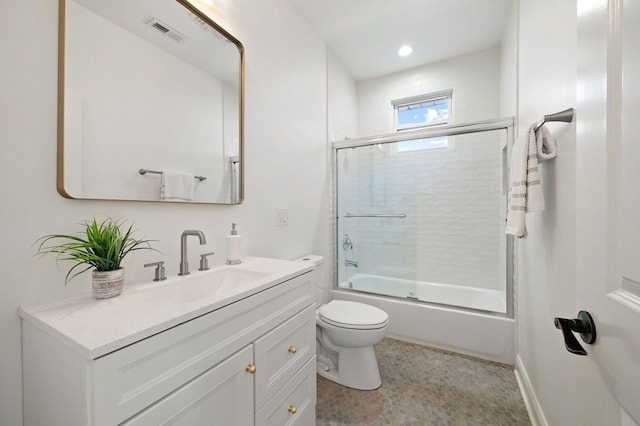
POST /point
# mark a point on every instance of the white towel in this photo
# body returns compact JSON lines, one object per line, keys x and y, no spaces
{"x":525,"y":194}
{"x":177,"y":186}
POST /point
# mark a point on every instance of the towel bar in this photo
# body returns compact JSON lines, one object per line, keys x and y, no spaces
{"x":145,"y":171}
{"x":565,"y":116}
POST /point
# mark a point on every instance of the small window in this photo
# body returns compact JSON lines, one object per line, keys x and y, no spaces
{"x":422,"y":111}
{"x":419,"y":112}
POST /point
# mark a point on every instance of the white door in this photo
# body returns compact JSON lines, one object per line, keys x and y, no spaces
{"x":608,"y":201}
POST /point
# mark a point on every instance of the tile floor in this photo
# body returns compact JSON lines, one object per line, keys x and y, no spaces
{"x":423,"y":386}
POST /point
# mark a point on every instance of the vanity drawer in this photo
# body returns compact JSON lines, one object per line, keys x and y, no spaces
{"x":133,"y":378}
{"x":282,"y":352}
{"x":219,"y":396}
{"x":295,"y":403}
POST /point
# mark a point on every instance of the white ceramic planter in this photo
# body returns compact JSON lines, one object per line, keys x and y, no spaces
{"x":107,"y":284}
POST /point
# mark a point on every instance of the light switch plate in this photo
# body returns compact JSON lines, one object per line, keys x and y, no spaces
{"x":282,"y":216}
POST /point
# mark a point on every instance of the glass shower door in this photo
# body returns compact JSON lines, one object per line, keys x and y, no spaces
{"x":376,"y":230}
{"x":424,"y":218}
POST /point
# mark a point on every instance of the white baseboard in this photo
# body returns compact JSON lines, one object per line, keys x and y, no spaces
{"x":531,"y":402}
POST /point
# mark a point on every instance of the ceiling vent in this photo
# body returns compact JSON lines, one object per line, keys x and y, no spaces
{"x":166,"y":30}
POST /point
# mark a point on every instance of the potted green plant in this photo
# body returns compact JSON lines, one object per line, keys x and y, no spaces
{"x":101,"y":246}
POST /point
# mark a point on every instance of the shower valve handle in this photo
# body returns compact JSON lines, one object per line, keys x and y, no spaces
{"x":346,"y":243}
{"x":583,"y":325}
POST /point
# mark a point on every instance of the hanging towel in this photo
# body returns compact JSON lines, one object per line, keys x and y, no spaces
{"x":177,"y":186}
{"x":525,"y":194}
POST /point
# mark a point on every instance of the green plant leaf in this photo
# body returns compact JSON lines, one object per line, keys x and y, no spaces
{"x":103,"y":248}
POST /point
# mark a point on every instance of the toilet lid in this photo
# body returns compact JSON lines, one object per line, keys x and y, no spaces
{"x":347,"y":314}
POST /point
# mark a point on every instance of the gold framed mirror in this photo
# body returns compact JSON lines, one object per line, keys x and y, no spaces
{"x":150,"y":103}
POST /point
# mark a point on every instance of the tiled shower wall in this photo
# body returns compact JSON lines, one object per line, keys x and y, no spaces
{"x":453,"y":198}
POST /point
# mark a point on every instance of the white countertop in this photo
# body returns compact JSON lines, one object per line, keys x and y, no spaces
{"x":97,"y":327}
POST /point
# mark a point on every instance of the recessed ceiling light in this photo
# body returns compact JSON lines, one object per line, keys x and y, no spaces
{"x":405,"y":51}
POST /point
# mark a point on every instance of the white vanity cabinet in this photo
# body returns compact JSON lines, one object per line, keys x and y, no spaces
{"x":248,"y":362}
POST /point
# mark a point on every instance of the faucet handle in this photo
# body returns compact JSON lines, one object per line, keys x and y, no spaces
{"x":159,"y":272}
{"x":346,"y":243}
{"x":204,"y":262}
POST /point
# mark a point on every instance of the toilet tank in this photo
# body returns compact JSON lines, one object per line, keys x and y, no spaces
{"x":321,"y":291}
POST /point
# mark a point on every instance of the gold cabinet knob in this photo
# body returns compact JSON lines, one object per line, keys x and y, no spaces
{"x":293,"y":349}
{"x":251,"y":368}
{"x":292,"y":409}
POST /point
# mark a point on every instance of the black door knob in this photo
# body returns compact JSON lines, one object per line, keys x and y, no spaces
{"x":583,"y":325}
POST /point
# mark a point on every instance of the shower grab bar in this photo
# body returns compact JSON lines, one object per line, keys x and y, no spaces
{"x":398,"y":216}
{"x":158,"y":172}
{"x":565,"y":116}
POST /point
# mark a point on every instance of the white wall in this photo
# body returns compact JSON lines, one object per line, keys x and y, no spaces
{"x":509,"y":64}
{"x":343,"y":101}
{"x":546,"y":259}
{"x":285,"y":66}
{"x":474,"y":78}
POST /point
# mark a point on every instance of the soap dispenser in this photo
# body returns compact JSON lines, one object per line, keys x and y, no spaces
{"x":234,"y":246}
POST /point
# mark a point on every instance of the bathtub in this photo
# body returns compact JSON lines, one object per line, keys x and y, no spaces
{"x":487,"y":335}
{"x":445,"y":294}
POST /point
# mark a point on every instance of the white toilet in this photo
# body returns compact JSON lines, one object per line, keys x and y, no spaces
{"x":345,"y":334}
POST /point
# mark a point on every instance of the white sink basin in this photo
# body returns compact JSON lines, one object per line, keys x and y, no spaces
{"x":201,"y":285}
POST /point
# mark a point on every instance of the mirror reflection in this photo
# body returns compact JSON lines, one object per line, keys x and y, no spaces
{"x":151,"y":103}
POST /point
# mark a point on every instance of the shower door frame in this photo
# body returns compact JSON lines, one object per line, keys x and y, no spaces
{"x":503,"y":123}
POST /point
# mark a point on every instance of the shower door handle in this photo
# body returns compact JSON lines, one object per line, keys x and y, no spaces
{"x":398,"y":216}
{"x":583,"y":325}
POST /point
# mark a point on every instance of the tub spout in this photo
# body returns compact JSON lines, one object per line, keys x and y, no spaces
{"x":353,"y":263}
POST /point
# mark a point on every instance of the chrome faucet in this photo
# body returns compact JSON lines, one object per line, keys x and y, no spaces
{"x":184,"y":265}
{"x":351,"y":263}
{"x":346,"y":243}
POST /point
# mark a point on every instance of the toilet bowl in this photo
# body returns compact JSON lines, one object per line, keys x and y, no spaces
{"x":345,"y":334}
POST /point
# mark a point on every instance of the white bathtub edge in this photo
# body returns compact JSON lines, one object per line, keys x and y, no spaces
{"x":470,"y":333}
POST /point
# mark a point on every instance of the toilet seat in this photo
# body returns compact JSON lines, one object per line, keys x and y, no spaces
{"x":354,"y":315}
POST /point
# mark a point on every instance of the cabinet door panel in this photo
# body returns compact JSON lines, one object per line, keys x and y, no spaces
{"x":300,"y":393}
{"x":282,"y":352}
{"x":221,"y":396}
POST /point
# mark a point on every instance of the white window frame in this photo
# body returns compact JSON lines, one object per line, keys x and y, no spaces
{"x":409,"y":146}
{"x":433,"y":96}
